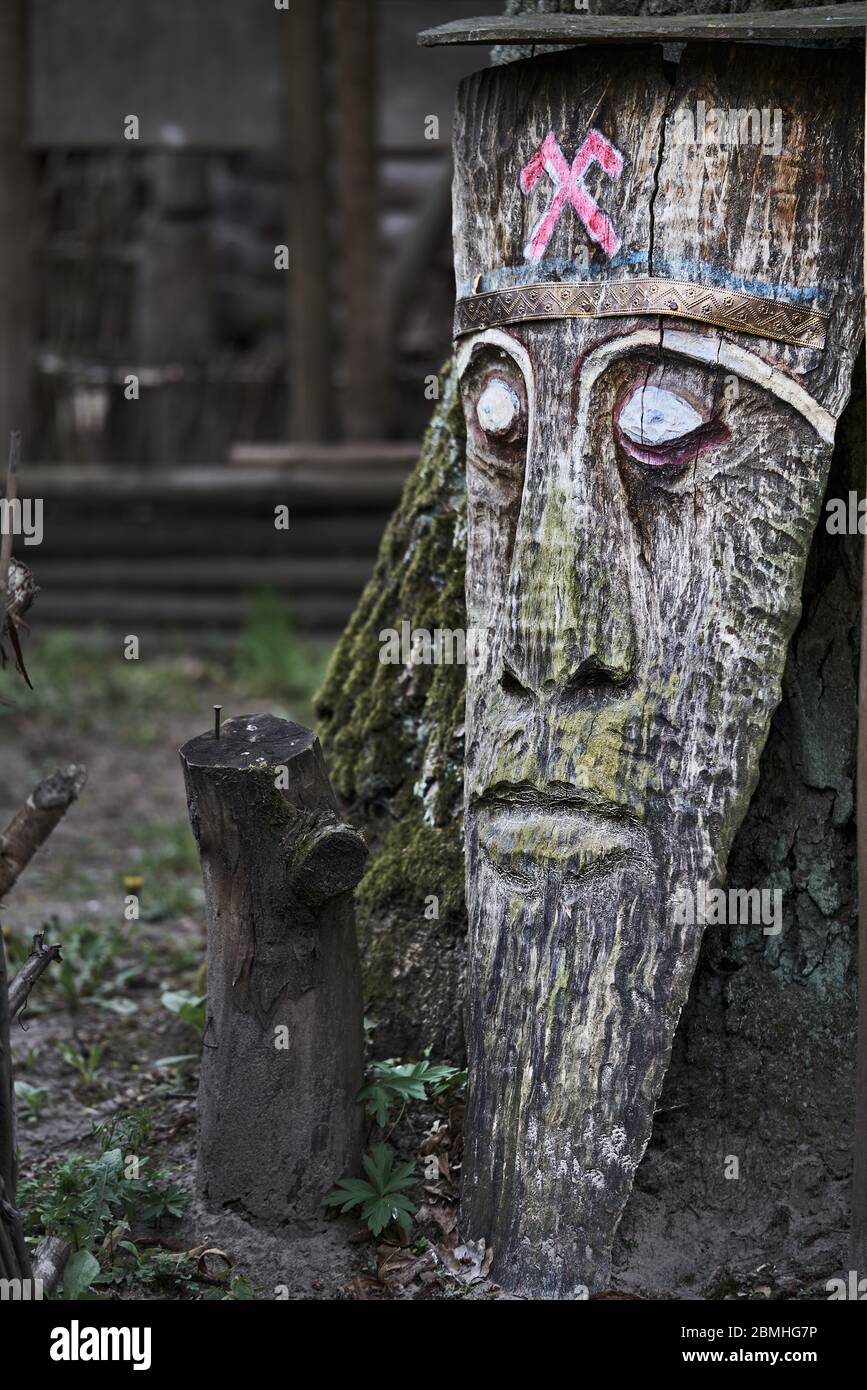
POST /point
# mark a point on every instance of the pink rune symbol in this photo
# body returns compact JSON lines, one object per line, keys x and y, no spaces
{"x":569,"y":187}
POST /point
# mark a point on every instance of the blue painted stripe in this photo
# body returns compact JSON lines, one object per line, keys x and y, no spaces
{"x":703,"y":272}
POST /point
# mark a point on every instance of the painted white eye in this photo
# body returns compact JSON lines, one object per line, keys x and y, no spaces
{"x":653,"y":416}
{"x":498,"y":407}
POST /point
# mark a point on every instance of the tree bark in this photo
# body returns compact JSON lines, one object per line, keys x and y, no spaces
{"x":14,"y":1259}
{"x":281,"y":1063}
{"x":762,"y":1066}
{"x":49,"y":1263}
{"x":636,"y":632}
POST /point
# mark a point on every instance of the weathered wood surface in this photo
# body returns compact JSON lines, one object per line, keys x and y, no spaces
{"x":41,"y":956}
{"x":281,"y":1060}
{"x":14,"y":1256}
{"x":382,"y":453}
{"x":30,"y":827}
{"x":49,"y":1262}
{"x":308,"y":489}
{"x":637,"y":592}
{"x":858,"y":1239}
{"x":828,"y":22}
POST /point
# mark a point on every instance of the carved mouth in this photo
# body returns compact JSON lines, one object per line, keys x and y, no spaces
{"x":527,"y":835}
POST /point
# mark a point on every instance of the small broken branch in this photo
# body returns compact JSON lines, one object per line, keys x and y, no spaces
{"x":6,"y":541}
{"x":18,"y":588}
{"x":30,"y":827}
{"x":38,"y":961}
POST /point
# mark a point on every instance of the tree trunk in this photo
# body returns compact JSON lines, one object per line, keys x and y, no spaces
{"x":14,"y":1259}
{"x":637,"y":587}
{"x":281,"y":1062}
{"x":762,"y":1061}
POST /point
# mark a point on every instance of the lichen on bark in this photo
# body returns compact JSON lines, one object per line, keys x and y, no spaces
{"x":393,"y":742}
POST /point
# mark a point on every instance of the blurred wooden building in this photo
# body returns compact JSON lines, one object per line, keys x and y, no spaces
{"x":155,"y":158}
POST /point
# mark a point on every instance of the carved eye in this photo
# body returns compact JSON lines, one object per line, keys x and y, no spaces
{"x":658,"y":427}
{"x":495,"y":400}
{"x":498,"y":409}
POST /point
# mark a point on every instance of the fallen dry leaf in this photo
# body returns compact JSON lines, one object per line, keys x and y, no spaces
{"x":468,"y":1262}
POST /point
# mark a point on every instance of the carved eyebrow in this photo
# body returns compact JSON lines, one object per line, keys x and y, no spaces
{"x":497,"y":338}
{"x":721,"y":353}
{"x":713,"y":351}
{"x":707,"y":348}
{"x":519,"y":355}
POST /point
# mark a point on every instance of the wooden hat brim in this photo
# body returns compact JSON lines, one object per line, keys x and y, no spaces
{"x":820,"y":24}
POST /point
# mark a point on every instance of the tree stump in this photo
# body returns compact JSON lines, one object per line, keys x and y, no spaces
{"x":282,"y":1047}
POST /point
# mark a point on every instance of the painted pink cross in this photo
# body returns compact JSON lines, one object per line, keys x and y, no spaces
{"x":569,"y":187}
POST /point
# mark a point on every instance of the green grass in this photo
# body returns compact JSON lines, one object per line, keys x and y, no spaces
{"x":167,"y":860}
{"x":271,"y":659}
{"x":82,"y":679}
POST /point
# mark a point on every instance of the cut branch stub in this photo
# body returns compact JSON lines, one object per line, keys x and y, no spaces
{"x":281,"y":1066}
{"x":30,"y":827}
{"x":35,"y":965}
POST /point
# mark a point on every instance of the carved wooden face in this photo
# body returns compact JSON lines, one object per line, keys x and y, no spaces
{"x":639,"y":522}
{"x":641,"y":495}
{"x":640,"y":507}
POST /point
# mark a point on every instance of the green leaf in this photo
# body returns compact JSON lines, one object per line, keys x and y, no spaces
{"x":399,"y":1200}
{"x":380,"y":1199}
{"x":124,"y":1007}
{"x":352,"y":1187}
{"x":402,"y":1176}
{"x":168,"y":1063}
{"x":377,"y":1214}
{"x":391,"y":1081}
{"x":192,"y":1008}
{"x":81,"y":1270}
{"x":377,"y":1166}
{"x":34,"y":1096}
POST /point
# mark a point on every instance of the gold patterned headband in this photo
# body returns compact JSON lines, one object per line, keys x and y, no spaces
{"x":683,"y":299}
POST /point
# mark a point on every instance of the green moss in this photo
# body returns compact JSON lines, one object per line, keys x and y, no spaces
{"x":414,"y":861}
{"x":380,"y":723}
{"x":392,"y":737}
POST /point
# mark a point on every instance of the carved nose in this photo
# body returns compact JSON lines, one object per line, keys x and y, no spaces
{"x":569,"y":629}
